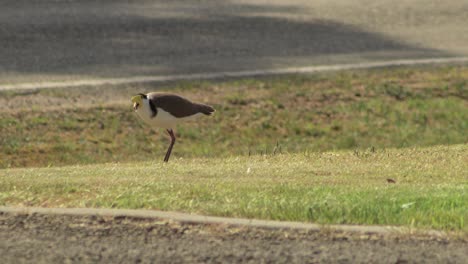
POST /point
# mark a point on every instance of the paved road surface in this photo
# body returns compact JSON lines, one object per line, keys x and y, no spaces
{"x":63,"y":40}
{"x":74,"y":239}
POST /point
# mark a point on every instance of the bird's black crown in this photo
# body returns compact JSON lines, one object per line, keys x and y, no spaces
{"x":143,"y":95}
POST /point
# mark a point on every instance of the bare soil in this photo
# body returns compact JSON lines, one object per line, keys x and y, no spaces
{"x":27,"y":238}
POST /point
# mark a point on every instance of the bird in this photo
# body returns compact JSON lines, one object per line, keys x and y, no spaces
{"x":166,"y":110}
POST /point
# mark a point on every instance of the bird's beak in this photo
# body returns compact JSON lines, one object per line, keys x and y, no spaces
{"x":135,"y":106}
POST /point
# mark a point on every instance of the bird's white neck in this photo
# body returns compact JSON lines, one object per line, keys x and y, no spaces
{"x":144,"y":111}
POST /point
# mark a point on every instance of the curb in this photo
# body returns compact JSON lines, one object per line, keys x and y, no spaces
{"x":184,"y":218}
{"x":231,"y":74}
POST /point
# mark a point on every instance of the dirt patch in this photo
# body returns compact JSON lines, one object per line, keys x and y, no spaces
{"x":59,"y":239}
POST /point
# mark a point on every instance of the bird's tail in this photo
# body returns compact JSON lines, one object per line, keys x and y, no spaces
{"x":205,"y":109}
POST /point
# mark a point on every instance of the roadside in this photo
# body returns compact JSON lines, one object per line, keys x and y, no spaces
{"x":342,"y":110}
{"x":76,"y":239}
{"x":225,"y":75}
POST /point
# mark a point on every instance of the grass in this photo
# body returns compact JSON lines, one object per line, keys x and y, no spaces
{"x":382,"y":108}
{"x":338,"y":187}
{"x":319,"y":148}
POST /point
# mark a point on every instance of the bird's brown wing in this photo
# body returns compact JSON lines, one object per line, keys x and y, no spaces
{"x":176,"y":105}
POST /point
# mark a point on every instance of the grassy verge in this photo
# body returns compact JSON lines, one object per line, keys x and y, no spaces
{"x":380,"y":108}
{"x":430,"y":189}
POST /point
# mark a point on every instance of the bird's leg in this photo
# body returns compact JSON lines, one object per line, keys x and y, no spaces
{"x":169,"y":150}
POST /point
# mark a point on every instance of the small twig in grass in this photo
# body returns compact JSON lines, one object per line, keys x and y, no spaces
{"x":356,"y":153}
{"x":277,"y":148}
{"x":391,"y":180}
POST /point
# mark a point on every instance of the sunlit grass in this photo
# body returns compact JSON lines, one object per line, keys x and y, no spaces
{"x":351,"y":187}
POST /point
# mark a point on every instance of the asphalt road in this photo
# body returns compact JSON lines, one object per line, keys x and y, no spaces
{"x":36,"y":238}
{"x":71,"y":39}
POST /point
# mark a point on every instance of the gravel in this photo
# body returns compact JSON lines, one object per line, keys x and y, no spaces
{"x":38,"y":238}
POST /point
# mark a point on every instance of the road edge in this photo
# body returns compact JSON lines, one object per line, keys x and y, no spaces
{"x":230,"y":74}
{"x":185,"y":218}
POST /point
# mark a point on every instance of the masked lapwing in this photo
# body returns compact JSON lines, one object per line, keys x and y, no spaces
{"x":165,"y":110}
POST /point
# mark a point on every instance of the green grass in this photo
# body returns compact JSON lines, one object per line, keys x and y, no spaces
{"x":316,"y":148}
{"x":395,"y":107}
{"x":339,"y":187}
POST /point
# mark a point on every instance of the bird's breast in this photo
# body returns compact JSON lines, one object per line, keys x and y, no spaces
{"x":161,"y":119}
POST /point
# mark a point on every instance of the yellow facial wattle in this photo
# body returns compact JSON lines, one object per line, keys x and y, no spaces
{"x":136,"y":101}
